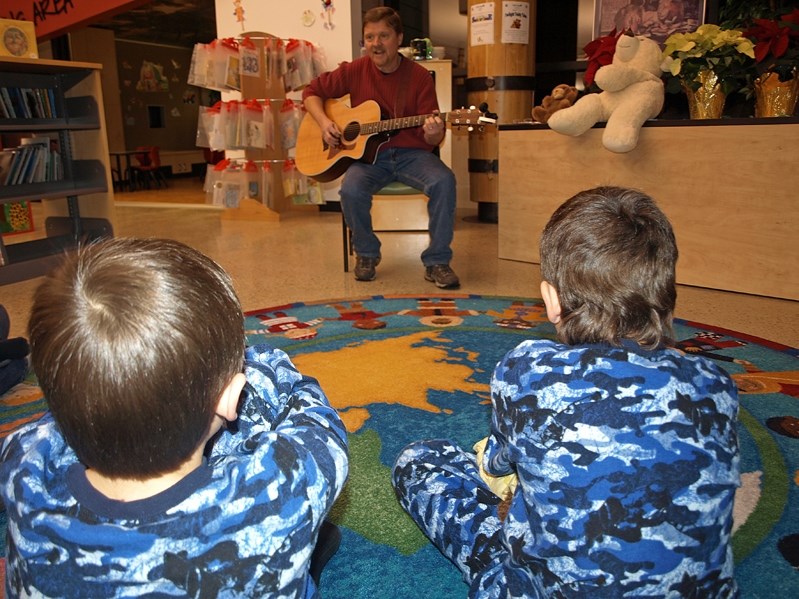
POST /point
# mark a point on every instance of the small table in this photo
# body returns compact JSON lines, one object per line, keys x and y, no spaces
{"x":122,"y":178}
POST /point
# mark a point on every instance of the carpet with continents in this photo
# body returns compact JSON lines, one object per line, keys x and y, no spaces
{"x":403,"y":368}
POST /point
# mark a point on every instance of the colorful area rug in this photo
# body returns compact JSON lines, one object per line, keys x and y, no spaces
{"x":402,"y":368}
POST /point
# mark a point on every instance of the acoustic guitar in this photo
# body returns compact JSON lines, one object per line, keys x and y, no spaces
{"x":362,"y":133}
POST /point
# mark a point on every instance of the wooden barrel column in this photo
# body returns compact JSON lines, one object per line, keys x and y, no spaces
{"x":500,"y":74}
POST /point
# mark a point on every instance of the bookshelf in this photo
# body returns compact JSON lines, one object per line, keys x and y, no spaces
{"x":78,"y":206}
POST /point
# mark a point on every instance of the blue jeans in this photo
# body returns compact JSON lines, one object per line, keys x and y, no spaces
{"x":417,"y":168}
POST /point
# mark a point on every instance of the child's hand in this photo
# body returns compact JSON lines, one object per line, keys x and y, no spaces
{"x":501,"y":486}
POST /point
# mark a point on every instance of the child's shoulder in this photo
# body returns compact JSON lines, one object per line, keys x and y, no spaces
{"x":36,"y":447}
{"x":551,"y":354}
{"x":34,"y":432}
{"x":549,"y":349}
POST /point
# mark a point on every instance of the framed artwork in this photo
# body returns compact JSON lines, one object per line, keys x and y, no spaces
{"x":18,"y":38}
{"x":656,"y":19}
{"x":16,"y":217}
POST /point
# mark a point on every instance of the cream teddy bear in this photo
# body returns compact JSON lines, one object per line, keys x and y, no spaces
{"x":632,"y":92}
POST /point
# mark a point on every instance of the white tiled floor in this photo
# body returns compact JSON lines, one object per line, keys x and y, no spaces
{"x":300,"y":259}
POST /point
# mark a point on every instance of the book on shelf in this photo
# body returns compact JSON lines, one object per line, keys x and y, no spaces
{"x":26,"y":153}
{"x":20,"y":103}
{"x":36,"y":160}
{"x":52,"y":104}
{"x":27,"y":103}
{"x":44,"y":103}
{"x":40,"y":111}
{"x":8,"y":106}
{"x":39,"y":149}
{"x":16,"y":166}
{"x":17,"y":102}
{"x":55,"y":167}
{"x":7,"y":156}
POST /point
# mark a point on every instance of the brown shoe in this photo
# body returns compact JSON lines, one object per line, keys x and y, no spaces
{"x":365,"y":268}
{"x":442,"y":275}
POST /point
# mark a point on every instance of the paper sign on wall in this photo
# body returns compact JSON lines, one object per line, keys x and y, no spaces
{"x":481,"y":22}
{"x":515,"y":22}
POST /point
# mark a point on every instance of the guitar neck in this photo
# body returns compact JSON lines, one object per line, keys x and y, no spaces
{"x":404,"y":122}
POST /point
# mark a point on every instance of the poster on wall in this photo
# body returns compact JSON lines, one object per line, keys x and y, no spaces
{"x":656,"y":19}
{"x":151,"y":78}
{"x":482,"y":24}
{"x":515,"y":22}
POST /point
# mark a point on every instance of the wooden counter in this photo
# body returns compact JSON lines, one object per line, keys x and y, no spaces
{"x":729,"y":188}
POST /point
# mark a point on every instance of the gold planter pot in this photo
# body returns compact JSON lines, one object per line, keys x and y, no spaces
{"x":774,"y":97}
{"x":707,"y":102}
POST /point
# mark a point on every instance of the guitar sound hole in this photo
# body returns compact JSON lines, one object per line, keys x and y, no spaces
{"x":351,"y":131}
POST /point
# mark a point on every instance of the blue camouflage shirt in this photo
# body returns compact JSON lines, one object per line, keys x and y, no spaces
{"x":628,"y":465}
{"x":242,"y":525}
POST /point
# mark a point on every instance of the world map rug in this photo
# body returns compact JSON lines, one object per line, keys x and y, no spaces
{"x":404,"y":368}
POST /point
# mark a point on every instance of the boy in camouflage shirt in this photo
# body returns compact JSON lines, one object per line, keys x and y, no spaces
{"x":625,"y":449}
{"x":171,"y":462}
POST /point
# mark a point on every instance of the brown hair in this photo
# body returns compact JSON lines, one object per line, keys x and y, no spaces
{"x":132,"y":341}
{"x":611,"y":254}
{"x":383,"y":13}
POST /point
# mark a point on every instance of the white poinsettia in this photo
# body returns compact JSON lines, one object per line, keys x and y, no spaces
{"x":726,"y":52}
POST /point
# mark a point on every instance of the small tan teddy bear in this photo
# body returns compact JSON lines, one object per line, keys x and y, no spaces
{"x":562,"y":96}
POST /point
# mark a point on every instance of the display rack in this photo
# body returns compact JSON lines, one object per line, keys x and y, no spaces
{"x":78,"y":207}
{"x":260,"y":88}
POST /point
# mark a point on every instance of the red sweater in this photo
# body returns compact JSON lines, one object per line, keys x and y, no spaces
{"x":362,"y":80}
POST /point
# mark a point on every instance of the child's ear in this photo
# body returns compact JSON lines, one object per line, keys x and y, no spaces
{"x":227,"y":407}
{"x":552,"y":301}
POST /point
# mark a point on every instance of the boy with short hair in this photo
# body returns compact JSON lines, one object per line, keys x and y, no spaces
{"x":625,"y":449}
{"x":171,"y":462}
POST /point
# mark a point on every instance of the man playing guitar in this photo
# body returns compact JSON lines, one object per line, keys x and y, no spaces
{"x":401,"y":88}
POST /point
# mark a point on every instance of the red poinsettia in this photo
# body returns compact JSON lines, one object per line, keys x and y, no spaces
{"x":776,"y":41}
{"x":599,"y":52}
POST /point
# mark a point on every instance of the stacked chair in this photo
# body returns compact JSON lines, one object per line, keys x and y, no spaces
{"x":147,"y":169}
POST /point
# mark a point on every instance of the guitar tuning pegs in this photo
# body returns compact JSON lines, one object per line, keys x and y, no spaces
{"x":470,"y":128}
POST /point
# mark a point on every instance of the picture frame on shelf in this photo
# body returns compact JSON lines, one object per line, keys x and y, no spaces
{"x":18,"y":39}
{"x":656,"y":19}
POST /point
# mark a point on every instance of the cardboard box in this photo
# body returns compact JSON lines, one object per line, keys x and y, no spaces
{"x":18,"y":38}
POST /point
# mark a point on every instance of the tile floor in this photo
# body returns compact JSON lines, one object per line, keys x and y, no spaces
{"x":299,"y":258}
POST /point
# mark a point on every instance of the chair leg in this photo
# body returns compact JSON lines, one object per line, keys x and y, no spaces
{"x":347,"y":240}
{"x":160,"y":178}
